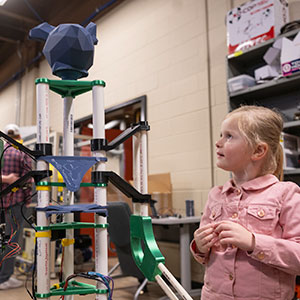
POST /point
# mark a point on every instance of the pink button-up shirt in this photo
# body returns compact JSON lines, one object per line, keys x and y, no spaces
{"x":270,"y":209}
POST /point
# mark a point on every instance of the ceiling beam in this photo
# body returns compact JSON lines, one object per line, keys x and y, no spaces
{"x":16,"y":28}
{"x":8,"y":40}
{"x":12,"y":15}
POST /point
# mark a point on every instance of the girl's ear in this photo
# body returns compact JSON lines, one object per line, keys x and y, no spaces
{"x":260,"y":151}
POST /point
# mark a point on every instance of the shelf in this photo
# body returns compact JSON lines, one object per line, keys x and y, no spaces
{"x":292,"y":127}
{"x":258,"y":50}
{"x":251,"y":59}
{"x":291,"y":172}
{"x":281,"y":86}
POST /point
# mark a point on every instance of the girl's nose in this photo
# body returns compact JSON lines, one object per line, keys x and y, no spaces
{"x":218,"y":143}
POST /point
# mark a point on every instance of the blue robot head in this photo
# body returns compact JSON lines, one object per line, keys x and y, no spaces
{"x":69,"y":48}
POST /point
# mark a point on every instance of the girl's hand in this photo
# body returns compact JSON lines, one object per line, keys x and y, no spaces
{"x":205,"y":238}
{"x":235,"y":234}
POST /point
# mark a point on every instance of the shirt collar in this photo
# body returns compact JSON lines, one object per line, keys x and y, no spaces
{"x":254,"y":184}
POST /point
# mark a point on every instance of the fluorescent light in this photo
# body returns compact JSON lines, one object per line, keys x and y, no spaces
{"x":2,"y":2}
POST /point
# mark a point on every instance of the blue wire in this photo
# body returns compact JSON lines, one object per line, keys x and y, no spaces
{"x":106,"y":280}
{"x":96,"y":12}
{"x":34,"y":11}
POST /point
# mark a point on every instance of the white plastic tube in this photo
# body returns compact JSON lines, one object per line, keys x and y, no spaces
{"x":42,"y":107}
{"x":136,"y":169}
{"x":68,"y":150}
{"x":43,"y":196}
{"x":100,"y":195}
{"x":177,"y":286}
{"x":165,"y":288}
{"x":140,"y":161}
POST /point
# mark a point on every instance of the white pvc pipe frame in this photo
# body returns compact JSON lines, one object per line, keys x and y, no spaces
{"x":140,"y":169}
{"x":100,"y":196}
{"x":68,"y":150}
{"x":43,"y":243}
{"x":100,"y":193}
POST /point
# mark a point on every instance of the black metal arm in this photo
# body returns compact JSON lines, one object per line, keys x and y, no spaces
{"x":32,"y":154}
{"x":100,"y":144}
{"x":36,"y":175}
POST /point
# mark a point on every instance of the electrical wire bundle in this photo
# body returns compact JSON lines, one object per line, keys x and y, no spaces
{"x":106,"y":280}
{"x":13,"y":246}
{"x":5,"y":241}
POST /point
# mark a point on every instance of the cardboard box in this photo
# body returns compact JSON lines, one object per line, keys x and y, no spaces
{"x":160,"y":188}
{"x":266,"y":72}
{"x":255,"y":22}
{"x":290,"y":56}
{"x":272,"y":57}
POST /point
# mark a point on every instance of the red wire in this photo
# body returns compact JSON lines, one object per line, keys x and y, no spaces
{"x":14,"y":245}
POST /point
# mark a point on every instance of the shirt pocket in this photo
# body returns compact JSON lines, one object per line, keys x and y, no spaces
{"x":215,"y":212}
{"x":261,"y":218}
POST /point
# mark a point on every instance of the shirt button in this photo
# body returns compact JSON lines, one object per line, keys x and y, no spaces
{"x":213,"y":214}
{"x":238,"y":192}
{"x":230,"y":277}
{"x":261,"y":255}
{"x":261,"y":213}
{"x":234,"y":216}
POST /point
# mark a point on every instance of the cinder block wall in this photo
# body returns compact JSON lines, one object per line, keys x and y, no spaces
{"x":173,"y":51}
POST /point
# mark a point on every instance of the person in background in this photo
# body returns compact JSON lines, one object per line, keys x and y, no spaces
{"x":15,"y":165}
{"x":249,"y":235}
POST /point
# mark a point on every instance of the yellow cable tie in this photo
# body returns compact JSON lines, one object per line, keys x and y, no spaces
{"x":14,"y":189}
{"x":41,"y":234}
{"x":16,"y":147}
{"x":43,"y":188}
{"x":56,"y":285}
{"x":67,"y":242}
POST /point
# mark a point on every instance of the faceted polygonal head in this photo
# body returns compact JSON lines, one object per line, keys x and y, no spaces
{"x":69,"y":50}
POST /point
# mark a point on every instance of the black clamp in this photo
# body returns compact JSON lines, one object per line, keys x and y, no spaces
{"x":143,"y":125}
{"x":98,"y":144}
{"x":44,"y":148}
{"x":99,"y":177}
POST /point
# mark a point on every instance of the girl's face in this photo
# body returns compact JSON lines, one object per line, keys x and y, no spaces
{"x":233,"y":151}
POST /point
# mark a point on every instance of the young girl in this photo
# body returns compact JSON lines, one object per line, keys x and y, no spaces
{"x":249,"y":236}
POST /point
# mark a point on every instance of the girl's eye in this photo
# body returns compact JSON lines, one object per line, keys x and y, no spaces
{"x":228,"y":136}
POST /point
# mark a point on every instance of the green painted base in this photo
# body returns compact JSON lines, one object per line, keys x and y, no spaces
{"x":62,"y":184}
{"x":71,"y":225}
{"x":74,"y":288}
{"x":69,"y":88}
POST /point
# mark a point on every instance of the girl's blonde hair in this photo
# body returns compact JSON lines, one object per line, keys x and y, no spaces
{"x":260,"y":124}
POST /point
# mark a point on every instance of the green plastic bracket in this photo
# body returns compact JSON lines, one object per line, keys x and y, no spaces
{"x":74,"y":288}
{"x":70,"y":225}
{"x":62,"y":184}
{"x":145,"y":251}
{"x":69,"y":88}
